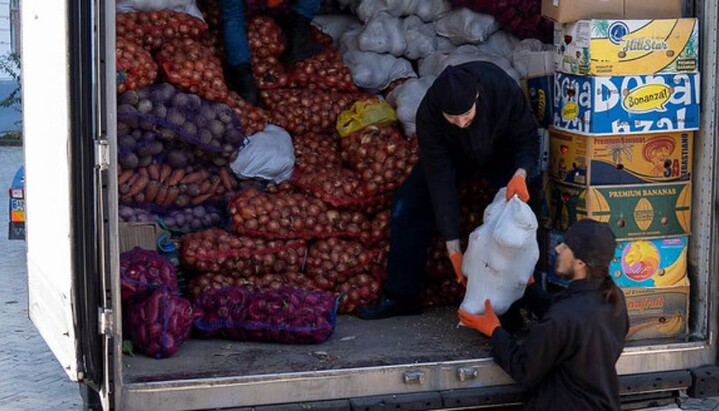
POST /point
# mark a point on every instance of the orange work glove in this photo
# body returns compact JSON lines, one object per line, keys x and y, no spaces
{"x":485,"y":323}
{"x":273,"y":3}
{"x":518,"y":185}
{"x":456,"y":259}
{"x":531,"y":280}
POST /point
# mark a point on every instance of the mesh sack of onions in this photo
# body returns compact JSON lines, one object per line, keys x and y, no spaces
{"x":152,"y":29}
{"x":154,"y":120}
{"x":189,"y":65}
{"x":442,"y":293}
{"x":316,"y":152}
{"x":159,"y":324}
{"x":218,"y":251}
{"x":341,"y":188}
{"x":286,"y":315}
{"x":144,"y":271}
{"x":357,"y":291}
{"x":203,"y":282}
{"x":135,"y":66}
{"x":301,"y":111}
{"x":333,"y":261}
{"x":288,"y":215}
{"x":325,"y":70}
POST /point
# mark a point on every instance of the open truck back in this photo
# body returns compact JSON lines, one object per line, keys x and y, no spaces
{"x":421,"y":362}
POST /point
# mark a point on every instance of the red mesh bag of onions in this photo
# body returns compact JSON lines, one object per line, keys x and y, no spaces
{"x":135,"y":66}
{"x":342,"y":188}
{"x":143,"y":271}
{"x":158,"y":120}
{"x":152,"y":29}
{"x":333,"y":261}
{"x":287,"y":215}
{"x":301,"y":111}
{"x":191,"y":66}
{"x":204,"y":282}
{"x":218,"y":251}
{"x":316,"y":152}
{"x":159,"y":324}
{"x":287,"y":315}
{"x":325,"y":70}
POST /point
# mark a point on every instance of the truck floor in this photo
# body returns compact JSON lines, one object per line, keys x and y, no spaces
{"x":432,"y":336}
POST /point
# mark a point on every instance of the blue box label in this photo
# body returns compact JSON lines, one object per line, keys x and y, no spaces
{"x":626,"y":104}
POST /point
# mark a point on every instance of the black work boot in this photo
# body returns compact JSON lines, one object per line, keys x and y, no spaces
{"x":239,"y":79}
{"x":386,"y":307}
{"x":299,"y":41}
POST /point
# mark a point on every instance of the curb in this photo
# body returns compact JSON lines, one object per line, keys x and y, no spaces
{"x":12,"y":142}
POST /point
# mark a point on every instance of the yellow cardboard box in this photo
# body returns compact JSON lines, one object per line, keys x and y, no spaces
{"x":633,"y":211}
{"x":620,"y":159}
{"x":657,"y":312}
{"x":601,"y":47}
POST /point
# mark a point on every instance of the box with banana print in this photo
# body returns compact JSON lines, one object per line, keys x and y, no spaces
{"x":658,"y":312}
{"x":601,"y":47}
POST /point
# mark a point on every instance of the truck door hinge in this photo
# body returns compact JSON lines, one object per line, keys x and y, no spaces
{"x":102,"y":154}
{"x":104,"y":318}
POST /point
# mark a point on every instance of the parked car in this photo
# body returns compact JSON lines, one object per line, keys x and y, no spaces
{"x":16,"y":206}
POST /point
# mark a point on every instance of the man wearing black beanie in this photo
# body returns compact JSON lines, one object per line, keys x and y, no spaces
{"x":569,"y":357}
{"x":474,"y":118}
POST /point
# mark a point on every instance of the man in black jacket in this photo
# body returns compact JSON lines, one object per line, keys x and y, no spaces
{"x":568,"y":358}
{"x":474,"y":118}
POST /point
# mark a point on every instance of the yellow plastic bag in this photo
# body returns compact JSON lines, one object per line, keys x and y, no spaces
{"x":365,"y":113}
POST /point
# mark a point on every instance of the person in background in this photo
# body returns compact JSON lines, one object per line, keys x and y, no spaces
{"x":474,"y":118}
{"x":568,"y":358}
{"x":295,"y":25}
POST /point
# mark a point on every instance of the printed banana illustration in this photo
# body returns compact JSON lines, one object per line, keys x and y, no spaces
{"x":672,"y":326}
{"x":674,"y":273}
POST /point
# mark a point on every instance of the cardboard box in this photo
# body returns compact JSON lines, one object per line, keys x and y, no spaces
{"x":633,"y":211}
{"x":620,"y":159}
{"x":660,"y":262}
{"x":626,"y":47}
{"x":539,"y":92}
{"x":657,"y":312}
{"x":626,"y":104}
{"x":143,"y":235}
{"x":573,"y":10}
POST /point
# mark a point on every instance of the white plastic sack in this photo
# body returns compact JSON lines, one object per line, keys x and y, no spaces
{"x":268,"y":155}
{"x":349,"y":41}
{"x":336,"y":25}
{"x":427,"y":10}
{"x":383,"y":34}
{"x":183,"y":6}
{"x":500,"y":43}
{"x":465,"y":26}
{"x":405,"y":99}
{"x":374,"y":72}
{"x":420,"y":37}
{"x":501,"y":255}
{"x":434,"y":63}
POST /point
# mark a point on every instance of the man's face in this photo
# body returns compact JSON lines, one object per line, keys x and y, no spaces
{"x":462,"y":120}
{"x":566,"y":262}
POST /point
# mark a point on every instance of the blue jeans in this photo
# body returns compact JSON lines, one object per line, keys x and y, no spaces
{"x":233,"y":26}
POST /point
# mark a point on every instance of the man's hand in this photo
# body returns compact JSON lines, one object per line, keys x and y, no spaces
{"x":456,"y":259}
{"x":485,"y":323}
{"x":531,"y":280}
{"x":518,"y":185}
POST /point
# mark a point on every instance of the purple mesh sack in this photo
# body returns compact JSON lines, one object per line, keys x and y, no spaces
{"x":160,"y":122}
{"x":144,"y":271}
{"x":286,"y":315}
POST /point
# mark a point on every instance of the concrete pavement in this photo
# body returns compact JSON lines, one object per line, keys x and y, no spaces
{"x":30,"y":377}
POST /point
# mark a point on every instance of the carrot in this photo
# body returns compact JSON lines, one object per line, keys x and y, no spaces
{"x":153,"y":187}
{"x":172,"y":194}
{"x":143,"y":171}
{"x":227,"y":179}
{"x":165,"y":172}
{"x":176,"y":176}
{"x":205,"y":186}
{"x":154,"y":171}
{"x":138,"y":186}
{"x":161,"y":195}
{"x":201,"y":199}
{"x":215,"y":184}
{"x":194,"y":178}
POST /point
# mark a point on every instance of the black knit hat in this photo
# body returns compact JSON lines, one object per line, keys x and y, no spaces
{"x":455,"y":90}
{"x":592,"y":242}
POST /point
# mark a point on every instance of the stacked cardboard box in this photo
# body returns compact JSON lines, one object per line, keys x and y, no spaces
{"x":625,"y":101}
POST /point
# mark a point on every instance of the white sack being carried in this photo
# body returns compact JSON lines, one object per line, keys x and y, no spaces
{"x":268,"y":155}
{"x":406,"y":97}
{"x":374,"y":72}
{"x":383,"y":34}
{"x":501,"y":255}
{"x":464,"y":26}
{"x":183,"y":6}
{"x":427,"y":10}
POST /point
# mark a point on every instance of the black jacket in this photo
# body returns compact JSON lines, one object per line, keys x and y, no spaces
{"x":568,"y":358}
{"x":502,"y":138}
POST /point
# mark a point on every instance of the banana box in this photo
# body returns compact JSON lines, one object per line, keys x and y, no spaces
{"x":658,"y":312}
{"x":621,"y":159}
{"x":626,"y":104}
{"x":602,"y":47}
{"x":638,"y":263}
{"x":633,"y":211}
